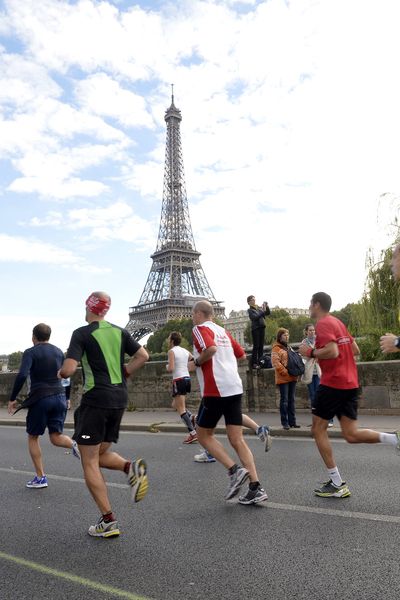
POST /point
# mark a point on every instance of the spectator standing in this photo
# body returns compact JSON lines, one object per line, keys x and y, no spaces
{"x":285,"y":381}
{"x":257,"y":317}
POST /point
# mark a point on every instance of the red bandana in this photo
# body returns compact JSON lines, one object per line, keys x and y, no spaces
{"x":98,"y":306}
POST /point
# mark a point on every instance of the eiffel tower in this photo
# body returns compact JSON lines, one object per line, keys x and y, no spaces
{"x":176,"y":279}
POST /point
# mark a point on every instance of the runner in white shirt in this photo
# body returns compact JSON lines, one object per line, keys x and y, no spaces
{"x":216,"y":354}
{"x":178,"y":359}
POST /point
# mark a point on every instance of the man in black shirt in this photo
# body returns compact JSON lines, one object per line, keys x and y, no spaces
{"x":257,"y":317}
{"x":46,"y":402}
{"x":101,"y":348}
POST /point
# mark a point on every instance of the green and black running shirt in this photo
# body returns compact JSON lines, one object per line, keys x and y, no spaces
{"x":101,"y":348}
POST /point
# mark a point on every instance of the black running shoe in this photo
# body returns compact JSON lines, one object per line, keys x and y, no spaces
{"x":254,"y":496}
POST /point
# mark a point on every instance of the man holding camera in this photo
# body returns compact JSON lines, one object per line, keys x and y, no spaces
{"x":257,"y":317}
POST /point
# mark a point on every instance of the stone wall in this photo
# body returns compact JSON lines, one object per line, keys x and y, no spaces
{"x":151,"y":388}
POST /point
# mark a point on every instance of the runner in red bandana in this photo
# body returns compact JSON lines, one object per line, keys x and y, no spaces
{"x":100,"y":347}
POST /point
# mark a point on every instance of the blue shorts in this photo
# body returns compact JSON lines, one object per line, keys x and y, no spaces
{"x":47,"y":412}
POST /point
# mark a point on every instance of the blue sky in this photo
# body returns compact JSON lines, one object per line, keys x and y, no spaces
{"x":290,"y":137}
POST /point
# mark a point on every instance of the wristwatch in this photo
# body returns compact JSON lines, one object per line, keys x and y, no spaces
{"x":196,"y":362}
{"x":397,"y":342}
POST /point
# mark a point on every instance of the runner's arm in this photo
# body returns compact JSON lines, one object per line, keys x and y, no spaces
{"x":205,"y":355}
{"x":68,"y":368}
{"x":331,"y":350}
{"x":355,"y":348}
{"x":137,"y":361}
{"x":388,"y":343}
{"x":171,"y":361}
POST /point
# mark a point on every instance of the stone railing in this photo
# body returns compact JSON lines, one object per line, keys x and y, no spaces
{"x":151,"y":388}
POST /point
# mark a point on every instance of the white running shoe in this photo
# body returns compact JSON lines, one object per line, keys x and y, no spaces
{"x":204,"y":457}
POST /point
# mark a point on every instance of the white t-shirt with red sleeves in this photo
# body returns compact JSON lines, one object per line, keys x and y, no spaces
{"x":340,"y":372}
{"x":218,"y":376}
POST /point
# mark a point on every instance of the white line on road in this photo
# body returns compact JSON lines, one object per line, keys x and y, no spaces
{"x":346,"y":514}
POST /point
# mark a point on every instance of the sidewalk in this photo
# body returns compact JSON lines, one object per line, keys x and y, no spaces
{"x":169,"y":421}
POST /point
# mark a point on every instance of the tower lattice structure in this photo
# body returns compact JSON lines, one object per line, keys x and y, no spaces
{"x":176,"y":279}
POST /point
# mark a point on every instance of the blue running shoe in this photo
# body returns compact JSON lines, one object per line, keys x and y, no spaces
{"x":37,"y":482}
{"x":265,"y":436}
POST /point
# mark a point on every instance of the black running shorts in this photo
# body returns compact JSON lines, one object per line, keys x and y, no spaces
{"x":96,"y":425}
{"x":213,"y":408}
{"x":331,"y":402}
{"x":181,"y":387}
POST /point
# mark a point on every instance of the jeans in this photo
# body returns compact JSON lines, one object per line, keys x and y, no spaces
{"x":312,"y":389}
{"x":258,"y":336}
{"x":287,"y":404}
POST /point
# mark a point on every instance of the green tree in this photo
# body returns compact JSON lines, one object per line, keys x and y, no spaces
{"x":377,"y":312}
{"x":157,"y":343}
{"x":14,"y":361}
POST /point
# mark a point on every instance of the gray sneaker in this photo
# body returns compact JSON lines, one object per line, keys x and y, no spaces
{"x":75,"y":450}
{"x":103,"y":529}
{"x":254,"y":496}
{"x":329,"y":490}
{"x":236,"y":480}
{"x":265,"y":436}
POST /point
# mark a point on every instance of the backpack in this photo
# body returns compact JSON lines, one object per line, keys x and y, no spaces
{"x":295,"y":365}
{"x":265,"y":361}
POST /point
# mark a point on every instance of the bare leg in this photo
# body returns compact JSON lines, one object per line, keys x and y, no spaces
{"x":353,"y":435}
{"x":61,"y":440}
{"x":319,"y":431}
{"x":249,"y":423}
{"x":36,"y":454}
{"x":213,"y":446}
{"x":111,"y":460}
{"x":178,"y":403}
{"x":235,"y":436}
{"x":90,"y":457}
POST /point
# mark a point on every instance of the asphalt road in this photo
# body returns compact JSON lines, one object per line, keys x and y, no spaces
{"x":184,"y":541}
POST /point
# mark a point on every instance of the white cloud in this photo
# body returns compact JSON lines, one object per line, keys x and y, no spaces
{"x":103,"y":96}
{"x":22,"y":250}
{"x":116,"y":221}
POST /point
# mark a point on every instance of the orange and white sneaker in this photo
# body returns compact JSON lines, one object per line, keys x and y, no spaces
{"x":191,"y":438}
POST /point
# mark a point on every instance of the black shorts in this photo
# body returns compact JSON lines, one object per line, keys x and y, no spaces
{"x":331,"y":402}
{"x":181,"y":387}
{"x":96,"y":425}
{"x":213,"y":408}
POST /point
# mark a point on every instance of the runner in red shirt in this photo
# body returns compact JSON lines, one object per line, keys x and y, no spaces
{"x":337,"y":393}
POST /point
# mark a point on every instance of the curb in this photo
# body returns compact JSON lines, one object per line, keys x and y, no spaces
{"x":169,"y":428}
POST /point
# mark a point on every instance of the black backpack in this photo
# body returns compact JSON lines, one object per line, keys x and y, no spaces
{"x":295,"y":365}
{"x":265,"y":362}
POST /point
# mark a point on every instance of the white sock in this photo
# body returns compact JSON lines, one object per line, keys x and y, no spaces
{"x":388,"y":438}
{"x":335,"y":476}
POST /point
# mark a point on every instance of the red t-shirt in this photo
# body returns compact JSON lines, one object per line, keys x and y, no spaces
{"x":340,"y":372}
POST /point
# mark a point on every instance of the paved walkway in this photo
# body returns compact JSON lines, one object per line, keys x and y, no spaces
{"x":169,"y":421}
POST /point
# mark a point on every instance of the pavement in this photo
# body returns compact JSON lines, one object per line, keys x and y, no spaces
{"x":185,"y":542}
{"x":155,"y":421}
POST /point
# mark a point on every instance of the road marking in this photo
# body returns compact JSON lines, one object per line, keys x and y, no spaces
{"x":62,"y":478}
{"x":82,"y":581}
{"x":346,"y":514}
